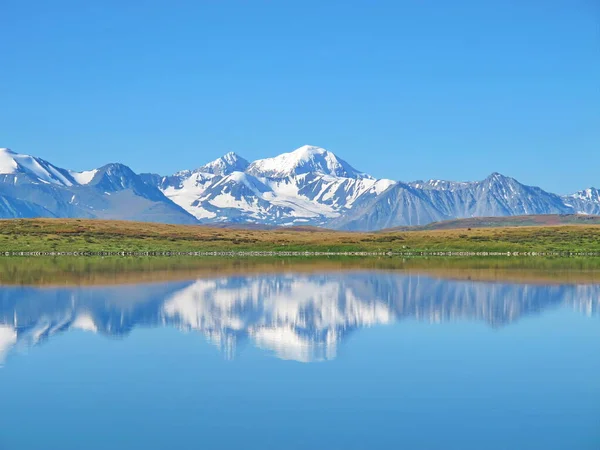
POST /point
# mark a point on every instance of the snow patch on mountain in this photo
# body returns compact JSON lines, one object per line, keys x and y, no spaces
{"x":442,"y":185}
{"x":84,"y":177}
{"x":226,"y":164}
{"x":13,"y":163}
{"x":590,"y":194}
{"x":8,"y":163}
{"x":586,"y":201}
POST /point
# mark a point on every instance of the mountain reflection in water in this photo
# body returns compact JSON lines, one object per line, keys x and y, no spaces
{"x":302,"y":317}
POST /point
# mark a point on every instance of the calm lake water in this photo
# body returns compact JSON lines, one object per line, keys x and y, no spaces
{"x":350,"y":359}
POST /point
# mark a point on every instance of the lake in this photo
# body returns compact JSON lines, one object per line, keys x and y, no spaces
{"x":225,"y":354}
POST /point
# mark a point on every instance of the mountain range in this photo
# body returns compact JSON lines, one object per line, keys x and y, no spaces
{"x":294,"y":316}
{"x":308,"y":186}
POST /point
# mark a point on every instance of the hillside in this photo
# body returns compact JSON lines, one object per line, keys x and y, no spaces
{"x":507,"y":221}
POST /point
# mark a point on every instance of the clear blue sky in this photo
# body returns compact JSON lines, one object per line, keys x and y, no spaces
{"x":400,"y":89}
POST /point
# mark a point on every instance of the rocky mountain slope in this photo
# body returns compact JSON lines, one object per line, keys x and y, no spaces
{"x":33,"y":187}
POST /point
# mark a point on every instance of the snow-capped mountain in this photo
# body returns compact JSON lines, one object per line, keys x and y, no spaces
{"x":313,"y":186}
{"x":400,"y":204}
{"x":304,"y":160}
{"x":303,"y":317}
{"x":308,"y":186}
{"x":33,"y":187}
{"x":419,"y":203}
{"x":496,"y":195}
{"x":225,"y":165}
{"x":584,"y":202}
{"x":14,"y":166}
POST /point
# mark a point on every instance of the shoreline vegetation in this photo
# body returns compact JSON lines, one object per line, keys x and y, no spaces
{"x":88,"y":237}
{"x":117,"y":252}
{"x":251,"y":254}
{"x":56,"y":272}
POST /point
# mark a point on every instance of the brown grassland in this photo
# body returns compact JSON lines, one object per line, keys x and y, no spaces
{"x":81,"y":235}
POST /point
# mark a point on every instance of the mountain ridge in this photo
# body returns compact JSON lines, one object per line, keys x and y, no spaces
{"x":33,"y":187}
{"x":308,"y":186}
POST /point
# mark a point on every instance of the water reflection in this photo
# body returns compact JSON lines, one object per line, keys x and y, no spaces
{"x":302,"y":317}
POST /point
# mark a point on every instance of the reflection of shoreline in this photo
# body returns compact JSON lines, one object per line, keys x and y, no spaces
{"x":514,"y":276}
{"x":116,"y":271}
{"x":298,"y":316}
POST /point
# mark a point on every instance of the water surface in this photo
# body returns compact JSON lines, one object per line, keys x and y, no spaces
{"x":338,"y":357}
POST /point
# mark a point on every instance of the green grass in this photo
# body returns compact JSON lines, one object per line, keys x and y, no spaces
{"x":79,"y":235}
{"x":53,"y":271}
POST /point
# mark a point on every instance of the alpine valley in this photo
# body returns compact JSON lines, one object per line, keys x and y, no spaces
{"x":308,"y":186}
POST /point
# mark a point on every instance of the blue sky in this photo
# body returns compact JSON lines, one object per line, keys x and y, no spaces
{"x":400,"y":89}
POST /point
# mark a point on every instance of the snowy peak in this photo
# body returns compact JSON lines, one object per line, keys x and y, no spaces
{"x":37,"y":169}
{"x":503,"y":185}
{"x":493,"y":180}
{"x":586,"y":201}
{"x":113,"y":171}
{"x":590,"y":194}
{"x":498,"y":178}
{"x":116,"y":177}
{"x":304,"y":160}
{"x":226,"y":164}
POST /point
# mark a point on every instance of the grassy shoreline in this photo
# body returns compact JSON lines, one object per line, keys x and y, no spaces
{"x":56,"y":272}
{"x":113,"y":237}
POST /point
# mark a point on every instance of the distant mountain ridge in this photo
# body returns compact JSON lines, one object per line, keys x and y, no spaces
{"x":308,"y":186}
{"x":531,"y":220}
{"x":33,"y":187}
